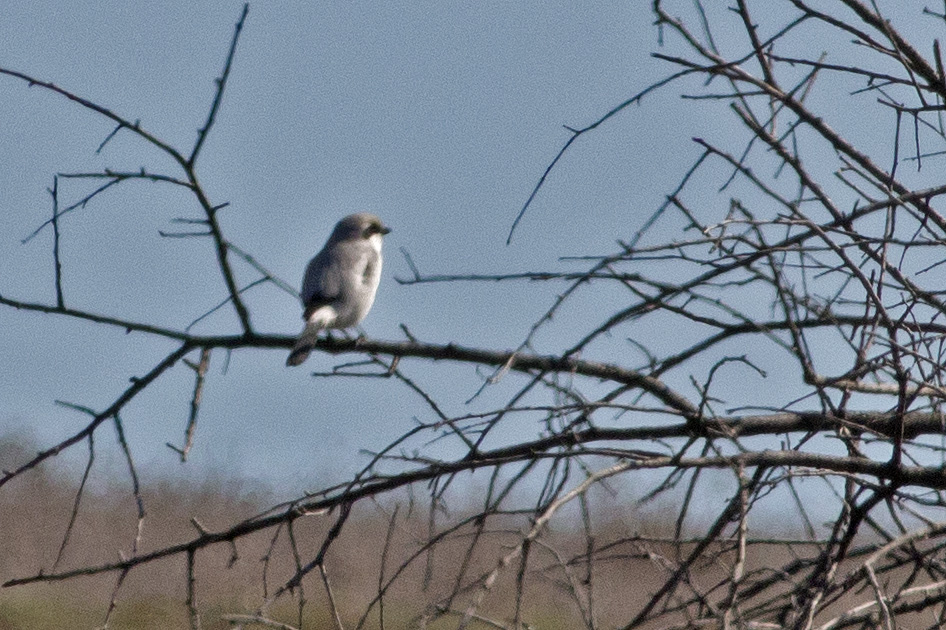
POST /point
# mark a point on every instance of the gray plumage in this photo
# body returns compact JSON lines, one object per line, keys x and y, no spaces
{"x":341,"y":281}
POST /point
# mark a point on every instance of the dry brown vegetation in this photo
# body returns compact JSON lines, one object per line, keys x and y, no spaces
{"x":634,"y":550}
{"x":35,"y":512}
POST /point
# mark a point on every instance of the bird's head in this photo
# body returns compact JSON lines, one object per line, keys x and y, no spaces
{"x":361,"y":225}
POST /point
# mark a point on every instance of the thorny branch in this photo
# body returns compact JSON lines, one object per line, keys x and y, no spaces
{"x":792,"y":256}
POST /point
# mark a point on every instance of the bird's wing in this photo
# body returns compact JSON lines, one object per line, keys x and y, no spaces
{"x":331,"y":274}
{"x":322,"y":282}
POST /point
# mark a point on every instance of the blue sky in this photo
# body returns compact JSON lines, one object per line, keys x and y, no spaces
{"x":439,"y":118}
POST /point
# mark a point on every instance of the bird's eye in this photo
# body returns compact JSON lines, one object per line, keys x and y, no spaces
{"x":374,"y":228}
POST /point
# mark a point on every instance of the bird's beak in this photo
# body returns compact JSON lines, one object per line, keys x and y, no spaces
{"x":385,"y":229}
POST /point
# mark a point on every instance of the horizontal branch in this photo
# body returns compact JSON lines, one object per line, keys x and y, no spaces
{"x":518,"y":361}
{"x":931,"y":477}
{"x":124,"y":175}
{"x":452,"y":352}
{"x":884,"y":424}
{"x":127,"y":325}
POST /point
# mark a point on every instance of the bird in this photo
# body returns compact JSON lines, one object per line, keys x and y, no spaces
{"x":341,"y":281}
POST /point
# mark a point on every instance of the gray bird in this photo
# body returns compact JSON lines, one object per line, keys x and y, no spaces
{"x":340,"y":282}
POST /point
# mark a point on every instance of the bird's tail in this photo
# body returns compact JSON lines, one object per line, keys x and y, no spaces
{"x":305,"y":343}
